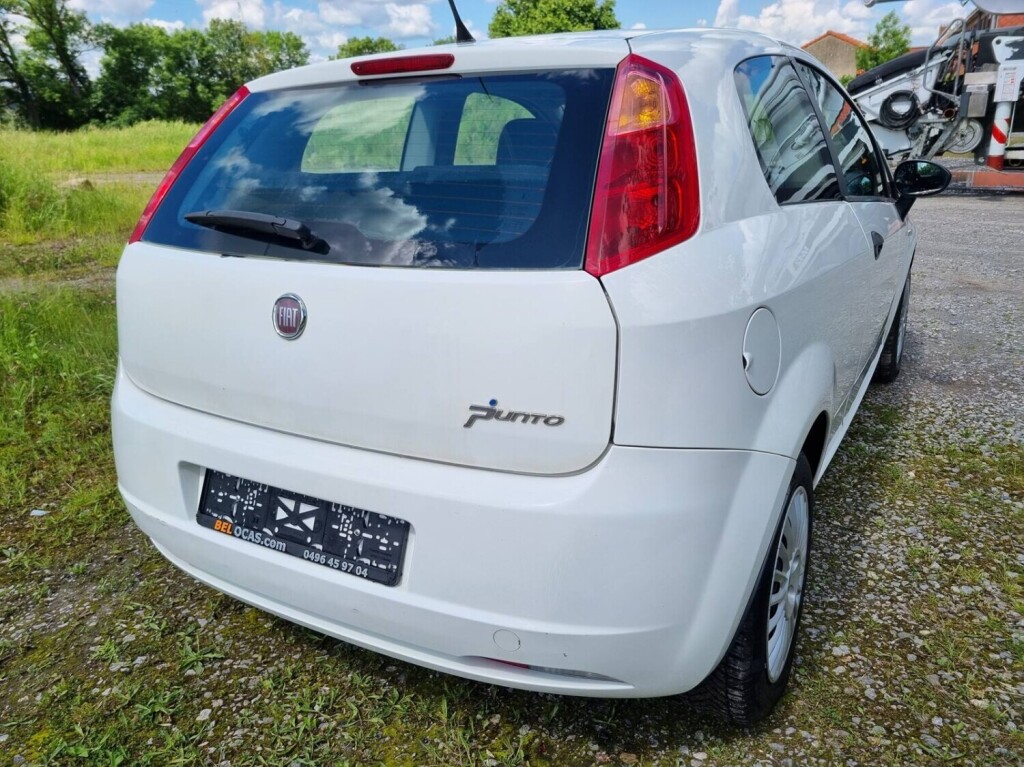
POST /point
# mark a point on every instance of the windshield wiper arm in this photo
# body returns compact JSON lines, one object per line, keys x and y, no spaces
{"x":248,"y":223}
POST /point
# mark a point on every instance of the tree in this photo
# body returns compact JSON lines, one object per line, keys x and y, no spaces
{"x":534,"y":17}
{"x":890,"y":39}
{"x":62,"y":35}
{"x":233,"y":64}
{"x":199,"y":70}
{"x":275,"y":51}
{"x":15,"y":90}
{"x":43,"y":78}
{"x":127,"y":89}
{"x":183,"y":77}
{"x":243,"y":55}
{"x":444,"y":40}
{"x":145,"y":72}
{"x":365,"y":46}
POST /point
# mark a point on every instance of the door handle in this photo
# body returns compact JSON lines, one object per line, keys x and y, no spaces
{"x":878,"y":241}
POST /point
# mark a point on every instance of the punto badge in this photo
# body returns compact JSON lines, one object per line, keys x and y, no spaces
{"x":289,"y":316}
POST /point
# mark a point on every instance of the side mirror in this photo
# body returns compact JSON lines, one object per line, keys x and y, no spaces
{"x":918,"y":178}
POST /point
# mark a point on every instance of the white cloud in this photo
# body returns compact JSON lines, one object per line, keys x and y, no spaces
{"x":297,"y":20}
{"x":321,"y":34}
{"x":728,"y":13}
{"x":344,"y":14}
{"x":113,"y":9}
{"x":447,"y":28}
{"x":639,"y":25}
{"x":926,"y":16}
{"x":391,"y":18}
{"x":798,"y":21}
{"x":330,"y":41}
{"x":167,"y":26}
{"x":409,"y":20}
{"x":250,"y":12}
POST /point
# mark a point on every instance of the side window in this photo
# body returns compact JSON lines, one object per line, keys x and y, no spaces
{"x":484,"y":118}
{"x":787,"y":135}
{"x":345,"y":140}
{"x":850,"y":136}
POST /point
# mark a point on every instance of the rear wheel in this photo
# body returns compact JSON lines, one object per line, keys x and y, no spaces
{"x":892,"y":353}
{"x":752,"y":676}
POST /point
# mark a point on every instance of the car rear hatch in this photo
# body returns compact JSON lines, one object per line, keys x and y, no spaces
{"x":429,"y":230}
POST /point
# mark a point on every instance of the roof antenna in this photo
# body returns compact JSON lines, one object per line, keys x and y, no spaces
{"x":462,"y":34}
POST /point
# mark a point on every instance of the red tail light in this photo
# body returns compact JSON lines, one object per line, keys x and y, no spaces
{"x":183,"y":159}
{"x":647,"y":195}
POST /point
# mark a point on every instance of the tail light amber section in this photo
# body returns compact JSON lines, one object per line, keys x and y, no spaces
{"x":647,"y":196}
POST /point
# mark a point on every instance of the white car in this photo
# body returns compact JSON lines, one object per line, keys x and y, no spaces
{"x":518,"y":360}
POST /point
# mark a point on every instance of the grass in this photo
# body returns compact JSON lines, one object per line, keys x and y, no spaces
{"x":57,"y":353}
{"x":71,"y":204}
{"x":150,"y":146}
{"x":110,"y":656}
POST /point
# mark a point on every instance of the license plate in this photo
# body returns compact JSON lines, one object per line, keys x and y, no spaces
{"x":344,"y":538}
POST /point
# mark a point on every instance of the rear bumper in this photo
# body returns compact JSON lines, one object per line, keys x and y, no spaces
{"x":636,"y":571}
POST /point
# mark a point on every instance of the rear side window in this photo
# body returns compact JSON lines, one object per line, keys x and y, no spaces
{"x":850,"y":137}
{"x":484,"y":120}
{"x":462,"y":172}
{"x":787,"y":135}
{"x":343,"y":140}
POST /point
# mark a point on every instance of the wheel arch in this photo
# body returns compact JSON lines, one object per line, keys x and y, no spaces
{"x":798,"y":414}
{"x":815,"y":443}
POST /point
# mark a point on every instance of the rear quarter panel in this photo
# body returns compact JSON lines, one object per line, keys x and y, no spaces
{"x":682,"y":317}
{"x":682,"y":314}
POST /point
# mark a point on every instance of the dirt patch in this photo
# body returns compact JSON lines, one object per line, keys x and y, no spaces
{"x":131,"y":178}
{"x":96,"y":278}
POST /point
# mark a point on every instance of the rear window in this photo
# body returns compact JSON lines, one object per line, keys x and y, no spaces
{"x":461,"y":172}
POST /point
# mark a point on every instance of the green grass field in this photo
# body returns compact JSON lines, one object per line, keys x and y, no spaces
{"x":68,"y":203}
{"x":109,"y":656}
{"x":150,"y":146}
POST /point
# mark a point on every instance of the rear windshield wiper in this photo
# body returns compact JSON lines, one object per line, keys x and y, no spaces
{"x":246,"y":223}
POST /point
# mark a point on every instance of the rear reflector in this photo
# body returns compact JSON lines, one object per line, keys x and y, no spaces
{"x":508,"y":663}
{"x":647,"y":195}
{"x":556,"y":671}
{"x":402,"y":64}
{"x":183,"y":159}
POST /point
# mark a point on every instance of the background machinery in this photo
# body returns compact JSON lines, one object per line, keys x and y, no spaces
{"x":962,"y":94}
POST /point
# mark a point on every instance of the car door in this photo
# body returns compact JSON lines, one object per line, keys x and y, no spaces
{"x":820,"y":241}
{"x":867,"y":187}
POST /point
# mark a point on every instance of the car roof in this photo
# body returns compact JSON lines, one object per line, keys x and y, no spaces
{"x":567,"y":49}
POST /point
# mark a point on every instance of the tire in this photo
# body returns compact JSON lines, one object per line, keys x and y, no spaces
{"x":753,"y":675}
{"x":892,"y":352}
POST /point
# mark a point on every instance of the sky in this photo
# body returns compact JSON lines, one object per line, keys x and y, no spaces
{"x":325,"y":24}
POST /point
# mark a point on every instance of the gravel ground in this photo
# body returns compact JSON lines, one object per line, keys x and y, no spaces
{"x":928,"y":578}
{"x":912,"y":649}
{"x":965,"y":352}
